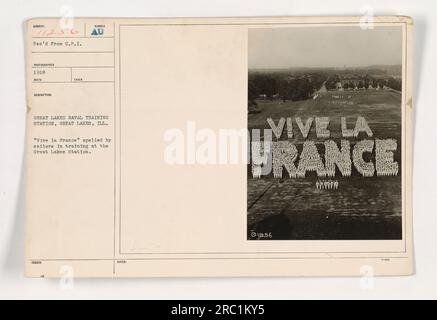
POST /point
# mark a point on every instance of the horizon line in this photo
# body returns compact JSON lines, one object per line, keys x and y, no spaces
{"x":327,"y":67}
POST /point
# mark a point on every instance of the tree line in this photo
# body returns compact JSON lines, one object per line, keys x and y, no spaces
{"x":285,"y":87}
{"x":282,"y":85}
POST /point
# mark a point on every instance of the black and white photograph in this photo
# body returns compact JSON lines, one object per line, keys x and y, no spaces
{"x":325,"y":121}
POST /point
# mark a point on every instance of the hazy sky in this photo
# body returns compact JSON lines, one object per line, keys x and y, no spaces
{"x":324,"y":47}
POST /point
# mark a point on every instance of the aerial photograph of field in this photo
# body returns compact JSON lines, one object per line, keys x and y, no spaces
{"x":301,"y":81}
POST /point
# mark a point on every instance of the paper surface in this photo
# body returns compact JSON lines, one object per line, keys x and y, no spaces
{"x":138,"y":161}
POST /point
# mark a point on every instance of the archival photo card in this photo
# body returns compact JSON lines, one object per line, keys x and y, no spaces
{"x":219,"y":147}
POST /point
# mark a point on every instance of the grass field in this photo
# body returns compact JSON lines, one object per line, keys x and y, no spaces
{"x":362,"y":207}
